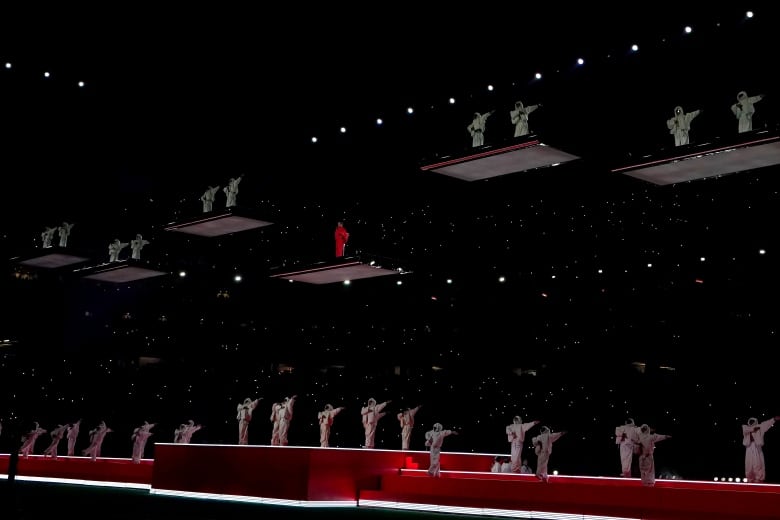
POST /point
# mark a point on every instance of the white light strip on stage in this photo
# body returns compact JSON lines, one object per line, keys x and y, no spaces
{"x":510,"y":513}
{"x":82,"y":482}
{"x":256,"y":500}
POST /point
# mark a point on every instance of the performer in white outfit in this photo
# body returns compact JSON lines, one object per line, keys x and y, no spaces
{"x":114,"y":248}
{"x":625,"y":438}
{"x":477,"y":128}
{"x":753,"y":440}
{"x":680,"y":125}
{"x":57,"y":435}
{"x":285,"y":414}
{"x":371,"y":413}
{"x":646,"y":440}
{"x":136,"y":246}
{"x":73,"y":433}
{"x":231,"y":190}
{"x":64,"y":232}
{"x":406,"y":418}
{"x":543,"y":448}
{"x":189,"y":430}
{"x":96,"y":438}
{"x":325,"y":418}
{"x":28,"y":441}
{"x":244,"y":417}
{"x":208,"y":198}
{"x":139,"y":438}
{"x":519,"y":117}
{"x":515,"y":434}
{"x":47,"y":236}
{"x":435,"y":439}
{"x":744,"y":109}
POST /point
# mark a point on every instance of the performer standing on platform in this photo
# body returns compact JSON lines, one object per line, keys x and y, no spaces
{"x":189,"y":430}
{"x":519,"y":117}
{"x":342,"y":236}
{"x":114,"y":248}
{"x":136,"y":246}
{"x":325,"y":419}
{"x":96,"y":437}
{"x":285,"y":414}
{"x":406,"y":418}
{"x":231,"y":190}
{"x":525,"y":469}
{"x":434,"y":439}
{"x":477,"y":128}
{"x":244,"y":417}
{"x":64,"y":231}
{"x":208,"y":198}
{"x":543,"y":448}
{"x":753,"y":440}
{"x":515,"y":434}
{"x":139,"y":438}
{"x":275,"y":440}
{"x":56,"y":436}
{"x":680,"y":125}
{"x":28,"y":441}
{"x":646,"y":440}
{"x":47,"y":236}
{"x":626,"y":438}
{"x":371,"y":415}
{"x":744,"y":110}
{"x":73,"y":433}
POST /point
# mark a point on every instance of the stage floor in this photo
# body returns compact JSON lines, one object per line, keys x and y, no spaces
{"x":391,"y":479}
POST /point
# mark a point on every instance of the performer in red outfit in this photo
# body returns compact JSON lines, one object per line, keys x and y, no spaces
{"x":341,"y":239}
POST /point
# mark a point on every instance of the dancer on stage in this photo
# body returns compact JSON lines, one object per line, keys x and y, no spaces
{"x":680,"y":125}
{"x":28,"y":441}
{"x":543,"y":448}
{"x":371,"y":413}
{"x":406,"y":418}
{"x":435,"y":438}
{"x":342,"y":236}
{"x":477,"y":128}
{"x":515,"y":433}
{"x":744,"y":109}
{"x":753,"y":440}
{"x":626,"y":438}
{"x":96,"y":438}
{"x":244,"y":417}
{"x":646,"y":440}
{"x":139,"y":438}
{"x":73,"y":433}
{"x":519,"y":117}
{"x":57,"y":435}
{"x":325,"y":418}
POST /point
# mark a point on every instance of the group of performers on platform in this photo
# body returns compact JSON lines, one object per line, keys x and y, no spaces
{"x":679,"y":125}
{"x":633,"y":441}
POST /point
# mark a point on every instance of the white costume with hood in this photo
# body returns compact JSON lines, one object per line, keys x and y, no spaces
{"x":646,"y":440}
{"x":519,"y":118}
{"x":435,"y":439}
{"x":743,"y":109}
{"x":680,"y":125}
{"x":753,"y":440}
{"x":626,"y":438}
{"x":543,"y":448}
{"x":515,"y":434}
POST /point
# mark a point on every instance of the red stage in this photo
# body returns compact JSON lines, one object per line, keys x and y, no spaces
{"x":395,"y":479}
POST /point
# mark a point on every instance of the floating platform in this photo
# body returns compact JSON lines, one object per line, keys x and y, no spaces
{"x":218,"y":223}
{"x":51,"y":258}
{"x":749,"y":151}
{"x":123,"y":271}
{"x":344,"y":269}
{"x":485,"y":162}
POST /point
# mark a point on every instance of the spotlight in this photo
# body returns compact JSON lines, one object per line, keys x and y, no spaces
{"x":749,"y":14}
{"x":46,"y":74}
{"x":688,"y":29}
{"x":762,"y":251}
{"x":379,"y":121}
{"x":635,"y":47}
{"x":182,"y":274}
{"x":343,"y":130}
{"x":538,"y":75}
{"x":81,"y":84}
{"x":452,"y":101}
{"x":410,"y":110}
{"x":501,"y":279}
{"x":346,"y":282}
{"x":490,"y":88}
{"x":237,"y":278}
{"x":7,"y":65}
{"x":580,"y":61}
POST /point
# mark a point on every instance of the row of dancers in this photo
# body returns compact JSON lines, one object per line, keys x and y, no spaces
{"x":632,"y":440}
{"x":182,"y":435}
